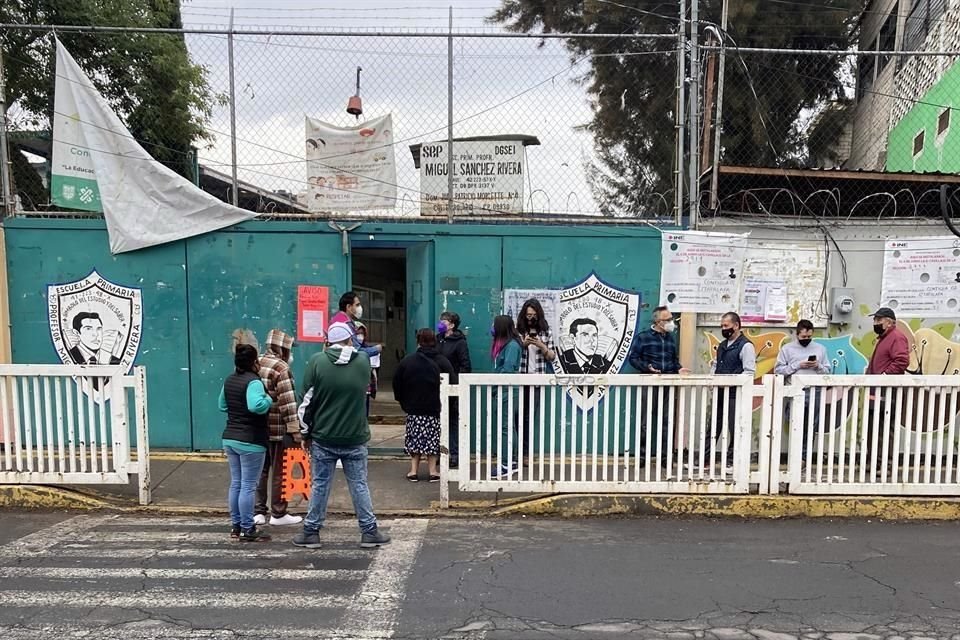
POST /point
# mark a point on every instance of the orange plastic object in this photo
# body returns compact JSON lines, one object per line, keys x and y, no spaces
{"x":296,"y":484}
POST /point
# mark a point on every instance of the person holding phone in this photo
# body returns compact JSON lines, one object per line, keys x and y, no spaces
{"x":804,"y":357}
{"x":538,"y":356}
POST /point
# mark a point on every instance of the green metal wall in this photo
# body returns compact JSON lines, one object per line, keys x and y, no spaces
{"x":196,"y":293}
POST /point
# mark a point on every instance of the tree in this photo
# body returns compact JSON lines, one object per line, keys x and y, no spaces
{"x":632,"y":86}
{"x":148,"y":78}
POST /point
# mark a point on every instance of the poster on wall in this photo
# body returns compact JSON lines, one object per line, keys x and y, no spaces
{"x":702,"y":272}
{"x":313,"y":308}
{"x":594,"y":331}
{"x":764,"y":300}
{"x":921,"y":277}
{"x":487,"y":177}
{"x":549,"y":299}
{"x":95,"y":322}
{"x":351,"y":168}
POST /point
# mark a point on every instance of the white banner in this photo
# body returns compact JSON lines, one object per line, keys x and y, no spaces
{"x":487,"y":177}
{"x":921,"y":277}
{"x":96,"y":159}
{"x":351,"y":168}
{"x":549,"y":299}
{"x":702,"y":272}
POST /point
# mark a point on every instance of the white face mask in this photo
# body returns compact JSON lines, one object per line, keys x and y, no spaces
{"x":360,"y":338}
{"x":358,"y":312}
{"x":670,"y":326}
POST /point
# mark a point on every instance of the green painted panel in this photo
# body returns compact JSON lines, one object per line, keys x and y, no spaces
{"x":469,"y":282}
{"x":421,"y":298}
{"x":249,"y":281}
{"x":57,"y":251}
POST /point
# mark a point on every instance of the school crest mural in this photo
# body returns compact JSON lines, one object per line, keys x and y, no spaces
{"x":95,"y":322}
{"x":595,"y":326}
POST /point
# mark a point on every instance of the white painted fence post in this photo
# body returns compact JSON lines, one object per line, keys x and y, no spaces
{"x":445,"y":389}
{"x":143,"y":435}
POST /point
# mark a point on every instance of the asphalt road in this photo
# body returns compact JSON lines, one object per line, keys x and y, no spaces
{"x":102,"y":576}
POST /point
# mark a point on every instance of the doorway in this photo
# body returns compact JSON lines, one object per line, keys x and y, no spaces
{"x":394,"y":284}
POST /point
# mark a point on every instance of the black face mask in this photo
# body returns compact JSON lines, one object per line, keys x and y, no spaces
{"x":726,"y":333}
{"x":878,"y":329}
{"x":804,"y":341}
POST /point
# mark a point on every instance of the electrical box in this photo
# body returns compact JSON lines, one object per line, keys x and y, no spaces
{"x":842,"y":305}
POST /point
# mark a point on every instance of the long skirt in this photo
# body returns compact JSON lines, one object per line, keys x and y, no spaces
{"x":422,"y":436}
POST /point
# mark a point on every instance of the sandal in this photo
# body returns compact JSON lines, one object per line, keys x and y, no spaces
{"x":412,"y":477}
{"x":434,"y":478}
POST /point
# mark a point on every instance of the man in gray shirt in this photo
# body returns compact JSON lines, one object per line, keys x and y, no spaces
{"x":804,"y":357}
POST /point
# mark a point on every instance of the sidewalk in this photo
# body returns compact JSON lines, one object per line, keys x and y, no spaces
{"x":183,"y":482}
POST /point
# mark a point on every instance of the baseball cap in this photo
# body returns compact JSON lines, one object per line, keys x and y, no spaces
{"x":339,"y":332}
{"x":884,"y":312}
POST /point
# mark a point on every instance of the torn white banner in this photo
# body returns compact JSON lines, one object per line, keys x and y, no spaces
{"x":95,"y":157}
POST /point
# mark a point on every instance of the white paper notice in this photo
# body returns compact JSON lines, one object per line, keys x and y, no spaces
{"x":702,"y":272}
{"x":314,"y":323}
{"x":549,"y":299}
{"x":775,"y":304}
{"x":375,"y":361}
{"x":921,"y":277}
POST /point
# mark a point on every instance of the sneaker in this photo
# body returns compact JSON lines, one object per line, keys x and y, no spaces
{"x":260,"y":519}
{"x":374,"y":539}
{"x":307,"y":540}
{"x":454,"y":463}
{"x":235,"y":531}
{"x":498,"y":473}
{"x":285,"y":520}
{"x":252,"y":535}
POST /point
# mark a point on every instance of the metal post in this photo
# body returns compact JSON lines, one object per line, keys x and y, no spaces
{"x":694,"y":188}
{"x":715,"y":173}
{"x":5,"y":166}
{"x":234,"y":188}
{"x":450,"y":121}
{"x":708,"y":87}
{"x":680,"y":119}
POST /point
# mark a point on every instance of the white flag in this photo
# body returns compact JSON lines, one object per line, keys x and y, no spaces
{"x":351,"y":168}
{"x":97,"y":165}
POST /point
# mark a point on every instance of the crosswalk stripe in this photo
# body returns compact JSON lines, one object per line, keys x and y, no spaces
{"x":242,"y":550}
{"x":106,"y":573}
{"x":153,"y":630}
{"x":178,"y":598}
{"x":369,"y":616}
{"x":107,"y":537}
{"x":46,"y":538}
{"x":220,"y":522}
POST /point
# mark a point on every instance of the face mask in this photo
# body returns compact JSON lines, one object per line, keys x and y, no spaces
{"x":804,"y":341}
{"x":878,"y":329}
{"x":441,"y":328}
{"x":360,"y":338}
{"x":670,"y":326}
{"x":726,"y":333}
{"x":358,"y":312}
{"x":493,"y":333}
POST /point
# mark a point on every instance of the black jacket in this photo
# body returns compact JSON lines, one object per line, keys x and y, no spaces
{"x":416,"y":382}
{"x":454,"y":347}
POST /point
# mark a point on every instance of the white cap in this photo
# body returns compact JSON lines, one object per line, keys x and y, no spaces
{"x":339,"y":332}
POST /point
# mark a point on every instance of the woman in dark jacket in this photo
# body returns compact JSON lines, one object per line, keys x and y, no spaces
{"x":245,"y":401}
{"x":453,"y":345}
{"x":416,"y":386}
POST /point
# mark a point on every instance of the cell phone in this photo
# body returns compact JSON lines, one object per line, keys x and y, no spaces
{"x":812,"y":359}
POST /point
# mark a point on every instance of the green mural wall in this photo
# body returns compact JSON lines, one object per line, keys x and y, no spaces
{"x":940,"y":153}
{"x":198,"y":293}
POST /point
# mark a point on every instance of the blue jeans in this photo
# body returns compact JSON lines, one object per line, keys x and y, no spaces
{"x":323,"y":461}
{"x":245,"y":468}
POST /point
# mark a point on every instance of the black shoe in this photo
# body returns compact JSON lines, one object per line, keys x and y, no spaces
{"x":252,"y":535}
{"x":454,"y":463}
{"x":373,"y":539}
{"x":235,"y":531}
{"x":307,"y":540}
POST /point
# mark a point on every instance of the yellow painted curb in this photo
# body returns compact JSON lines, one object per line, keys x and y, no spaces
{"x":28,"y":496}
{"x":586,"y":505}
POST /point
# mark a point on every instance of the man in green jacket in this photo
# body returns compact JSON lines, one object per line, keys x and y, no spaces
{"x":334,"y":427}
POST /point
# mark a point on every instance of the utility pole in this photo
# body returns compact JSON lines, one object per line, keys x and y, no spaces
{"x":5,"y":166}
{"x":708,"y":88}
{"x":718,"y":129}
{"x":449,"y":121}
{"x":680,"y":118}
{"x":234,"y":188}
{"x":694,"y":189}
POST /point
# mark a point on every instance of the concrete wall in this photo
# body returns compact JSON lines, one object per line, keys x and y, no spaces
{"x":941,"y":153}
{"x":197,"y":293}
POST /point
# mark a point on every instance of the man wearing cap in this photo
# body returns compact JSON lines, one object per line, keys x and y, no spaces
{"x":892,"y":354}
{"x":891,"y":357}
{"x":333,"y":428}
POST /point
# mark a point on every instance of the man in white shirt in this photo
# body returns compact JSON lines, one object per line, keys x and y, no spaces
{"x":804,"y":357}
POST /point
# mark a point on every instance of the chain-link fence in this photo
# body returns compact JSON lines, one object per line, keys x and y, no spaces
{"x":564,"y":125}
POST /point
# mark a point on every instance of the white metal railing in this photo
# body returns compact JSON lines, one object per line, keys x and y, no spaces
{"x":870,"y":435}
{"x":71,"y":425}
{"x":552,"y":433}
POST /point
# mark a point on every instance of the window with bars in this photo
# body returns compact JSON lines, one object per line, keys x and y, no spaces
{"x":921,"y":20}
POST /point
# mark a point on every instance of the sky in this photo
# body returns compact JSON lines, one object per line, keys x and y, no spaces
{"x":501,"y":86}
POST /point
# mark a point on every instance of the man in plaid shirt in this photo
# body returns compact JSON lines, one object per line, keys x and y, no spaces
{"x":284,"y":427}
{"x":655,"y":351}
